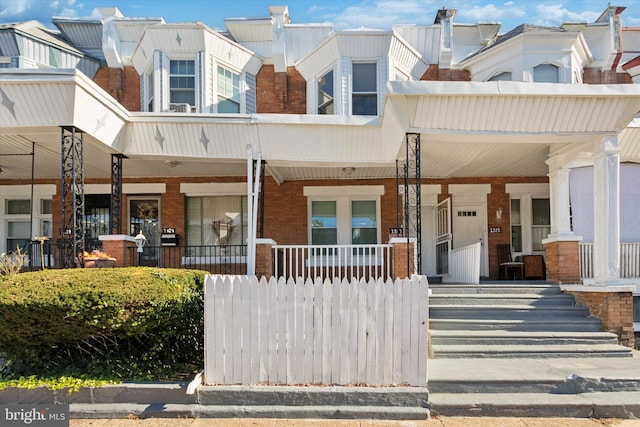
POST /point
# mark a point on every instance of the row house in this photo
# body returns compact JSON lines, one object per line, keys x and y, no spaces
{"x":327,"y":144}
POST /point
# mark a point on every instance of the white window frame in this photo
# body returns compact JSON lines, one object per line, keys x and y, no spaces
{"x":377,"y":86}
{"x":526,"y":193}
{"x":317,"y":87}
{"x":343,"y":196}
{"x":167,"y":57}
{"x":242,"y":88}
{"x":23,"y":192}
{"x":550,"y":64}
{"x":501,"y":73}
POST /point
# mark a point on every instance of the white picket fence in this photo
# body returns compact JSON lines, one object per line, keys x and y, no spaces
{"x":465,"y":265}
{"x":629,"y":260}
{"x":315,"y":332}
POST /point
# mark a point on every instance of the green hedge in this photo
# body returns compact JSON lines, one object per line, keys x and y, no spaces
{"x":129,"y":323}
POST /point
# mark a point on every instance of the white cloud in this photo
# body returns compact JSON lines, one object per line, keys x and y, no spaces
{"x":382,"y":14}
{"x":492,"y":13}
{"x":40,"y":10}
{"x":556,"y":14}
{"x":11,"y":8}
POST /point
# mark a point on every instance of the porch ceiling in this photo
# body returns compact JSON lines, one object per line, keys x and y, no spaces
{"x":467,"y":129}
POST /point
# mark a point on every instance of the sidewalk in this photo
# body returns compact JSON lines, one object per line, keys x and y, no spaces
{"x":433,"y":422}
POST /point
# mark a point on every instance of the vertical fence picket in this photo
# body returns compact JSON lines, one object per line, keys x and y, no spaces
{"x":308,"y":332}
{"x":318,"y":330}
{"x":387,"y":323}
{"x":345,"y":332}
{"x":272,"y":337}
{"x":398,"y":318}
{"x":362,"y":331}
{"x":327,"y":300}
{"x":262,"y":307}
{"x":423,"y":337}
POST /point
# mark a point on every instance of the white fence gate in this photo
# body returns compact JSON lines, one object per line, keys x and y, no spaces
{"x":465,"y":265}
{"x":315,"y":332}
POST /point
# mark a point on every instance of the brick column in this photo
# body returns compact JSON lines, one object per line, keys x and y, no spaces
{"x":264,"y":258}
{"x":119,"y":247}
{"x":563,"y":264}
{"x":611,"y":304}
{"x":402,"y":257}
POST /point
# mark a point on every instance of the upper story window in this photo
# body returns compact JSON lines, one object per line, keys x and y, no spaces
{"x":504,"y":76}
{"x":182,"y":79}
{"x":364,"y":95}
{"x":228,"y":91}
{"x":325,"y":94}
{"x":546,"y":73}
{"x":150,"y":88}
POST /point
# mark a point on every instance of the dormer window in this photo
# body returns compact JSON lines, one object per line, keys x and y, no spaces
{"x":228,"y":91}
{"x":325,"y":94}
{"x":364,"y":93}
{"x":504,"y":76}
{"x":182,"y":79}
{"x":546,"y":73}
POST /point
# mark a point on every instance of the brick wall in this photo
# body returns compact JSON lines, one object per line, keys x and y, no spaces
{"x":434,"y":72}
{"x":402,"y":260}
{"x":598,"y":76}
{"x":615,"y":309}
{"x":281,"y":92}
{"x":563,"y":264}
{"x":122,"y":84}
{"x":285,"y":209}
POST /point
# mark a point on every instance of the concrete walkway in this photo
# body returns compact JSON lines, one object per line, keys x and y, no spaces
{"x":434,"y":422}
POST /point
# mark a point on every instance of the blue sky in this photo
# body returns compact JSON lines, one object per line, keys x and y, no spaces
{"x":344,"y":14}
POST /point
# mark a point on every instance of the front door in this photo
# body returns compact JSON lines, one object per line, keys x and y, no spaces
{"x":144,"y":216}
{"x":469,"y":228}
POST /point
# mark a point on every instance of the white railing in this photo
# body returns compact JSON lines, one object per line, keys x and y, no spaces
{"x":329,"y":332}
{"x":465,"y":265}
{"x":329,"y":261}
{"x":629,"y":260}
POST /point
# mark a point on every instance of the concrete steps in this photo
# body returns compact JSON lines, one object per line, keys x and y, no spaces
{"x":158,"y":400}
{"x":514,"y":320}
{"x":517,"y":349}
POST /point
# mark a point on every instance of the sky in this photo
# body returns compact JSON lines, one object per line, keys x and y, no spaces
{"x":343,"y":14}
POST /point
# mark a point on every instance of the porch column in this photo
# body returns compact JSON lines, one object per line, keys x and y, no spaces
{"x":559,"y":198}
{"x":264,"y":258}
{"x":606,"y":214}
{"x":561,"y":246}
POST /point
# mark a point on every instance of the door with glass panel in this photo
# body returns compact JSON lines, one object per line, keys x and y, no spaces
{"x":144,"y":217}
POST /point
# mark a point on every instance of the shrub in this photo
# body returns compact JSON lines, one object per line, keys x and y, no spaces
{"x":130,"y":323}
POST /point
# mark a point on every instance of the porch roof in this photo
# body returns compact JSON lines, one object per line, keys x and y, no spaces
{"x":467,"y":129}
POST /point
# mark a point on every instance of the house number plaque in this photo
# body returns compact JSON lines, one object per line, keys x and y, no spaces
{"x":495,"y":229}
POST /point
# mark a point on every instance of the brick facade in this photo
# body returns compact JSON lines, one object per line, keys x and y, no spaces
{"x":284,"y":93}
{"x":563,"y":263}
{"x":434,"y":72}
{"x":286,"y":211}
{"x":615,"y":309}
{"x":121,"y":83}
{"x":598,"y":76}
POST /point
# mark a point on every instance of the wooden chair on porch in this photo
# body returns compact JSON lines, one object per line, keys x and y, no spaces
{"x":509,"y":269}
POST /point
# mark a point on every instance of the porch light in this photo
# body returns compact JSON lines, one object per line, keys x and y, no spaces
{"x":348,"y":170}
{"x":140,"y":241}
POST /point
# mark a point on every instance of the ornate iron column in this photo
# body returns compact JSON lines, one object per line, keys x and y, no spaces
{"x":115,"y":208}
{"x":412,"y":200}
{"x":72,"y":232}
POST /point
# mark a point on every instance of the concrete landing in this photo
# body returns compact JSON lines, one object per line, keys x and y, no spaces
{"x":561,"y":387}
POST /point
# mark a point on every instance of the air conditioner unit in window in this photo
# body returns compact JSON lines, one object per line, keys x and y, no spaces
{"x":180,"y":108}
